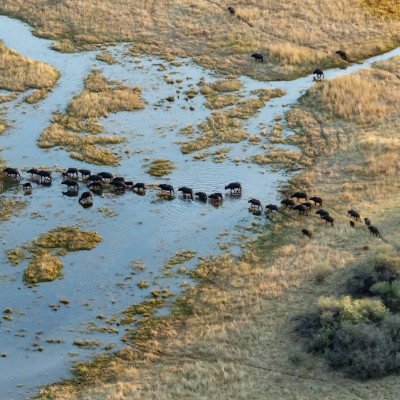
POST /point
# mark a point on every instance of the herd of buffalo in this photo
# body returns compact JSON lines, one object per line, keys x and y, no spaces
{"x":96,"y":183}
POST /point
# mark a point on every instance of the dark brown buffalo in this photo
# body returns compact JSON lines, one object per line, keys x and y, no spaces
{"x":307,"y":233}
{"x":139,"y":186}
{"x":354,"y":214}
{"x":302,"y":209}
{"x":299,"y":195}
{"x":329,"y":219}
{"x":255,"y":203}
{"x":186,"y":191}
{"x":12,"y":172}
{"x":201,"y":196}
{"x":373,"y":230}
{"x":86,"y":196}
{"x":271,"y":207}
{"x":288,"y":203}
{"x":319,"y":73}
{"x":166,"y":188}
{"x":85,"y":173}
{"x":316,"y":200}
{"x":235,"y":187}
{"x":72,"y":184}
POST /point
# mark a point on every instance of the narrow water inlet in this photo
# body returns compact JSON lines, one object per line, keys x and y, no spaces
{"x":103,"y":280}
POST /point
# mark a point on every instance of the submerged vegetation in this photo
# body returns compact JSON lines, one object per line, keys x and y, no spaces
{"x":159,"y":167}
{"x":45,"y":266}
{"x":99,"y":98}
{"x":225,"y":126}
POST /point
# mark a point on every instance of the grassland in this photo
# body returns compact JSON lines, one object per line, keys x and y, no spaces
{"x":232,"y":336}
{"x":99,"y":98}
{"x":294,"y":37}
{"x":18,"y":73}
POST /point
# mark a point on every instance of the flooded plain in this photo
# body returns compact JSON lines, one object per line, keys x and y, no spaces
{"x":140,"y":233}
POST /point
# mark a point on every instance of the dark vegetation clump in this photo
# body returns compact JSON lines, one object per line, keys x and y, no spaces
{"x":359,"y":333}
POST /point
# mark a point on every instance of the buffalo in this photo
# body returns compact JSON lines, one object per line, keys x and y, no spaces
{"x":342,"y":55}
{"x":201,"y":196}
{"x":373,"y":230}
{"x":139,"y":186}
{"x":12,"y":172}
{"x":354,"y":214}
{"x":255,"y":203}
{"x":236,"y":187}
{"x":186,"y":192}
{"x":45,"y":176}
{"x":166,"y":188}
{"x":302,"y":209}
{"x":316,"y":200}
{"x":106,"y":175}
{"x":307,"y":233}
{"x":86,"y":196}
{"x":85,"y":173}
{"x":367,"y":221}
{"x":231,"y":10}
{"x":327,"y":219}
{"x":258,"y":57}
{"x":322,"y":213}
{"x":72,"y":172}
{"x":319,"y":73}
{"x":271,"y":207}
{"x":215,"y":197}
{"x":72,"y":184}
{"x":288,"y":203}
{"x":299,"y":195}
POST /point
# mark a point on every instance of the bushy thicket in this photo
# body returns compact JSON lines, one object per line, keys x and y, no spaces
{"x":359,"y":332}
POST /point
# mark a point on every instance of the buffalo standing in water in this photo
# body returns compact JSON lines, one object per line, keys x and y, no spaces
{"x":12,"y":172}
{"x":255,"y":203}
{"x":85,"y":173}
{"x":216,"y":198}
{"x":85,"y":197}
{"x":319,"y":73}
{"x":201,"y":196}
{"x":72,"y":184}
{"x":140,"y":186}
{"x":235,"y":187}
{"x":166,"y":188}
{"x":45,"y":176}
{"x":186,"y":191}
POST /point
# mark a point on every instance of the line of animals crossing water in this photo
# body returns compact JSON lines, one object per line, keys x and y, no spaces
{"x":298,"y":201}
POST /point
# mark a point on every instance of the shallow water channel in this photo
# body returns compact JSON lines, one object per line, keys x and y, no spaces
{"x":104,"y":280}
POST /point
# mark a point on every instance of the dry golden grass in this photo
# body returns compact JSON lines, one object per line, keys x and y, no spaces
{"x":232,"y":335}
{"x":383,"y":8}
{"x":18,"y":73}
{"x":293,"y":36}
{"x":101,"y":97}
{"x":83,"y":146}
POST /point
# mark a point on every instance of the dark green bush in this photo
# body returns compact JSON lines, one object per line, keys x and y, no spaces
{"x":359,"y":333}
